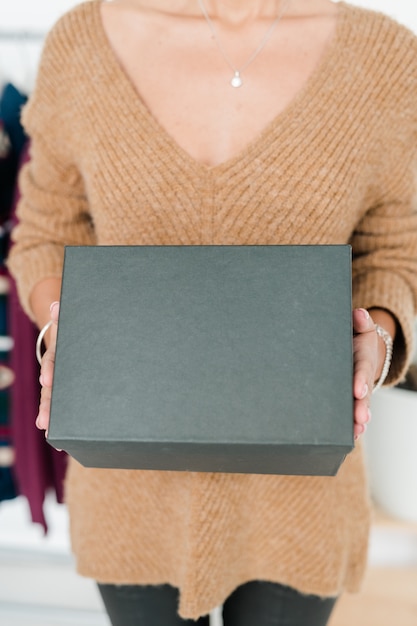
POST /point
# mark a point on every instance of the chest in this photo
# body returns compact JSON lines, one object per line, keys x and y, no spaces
{"x":198,"y":162}
{"x":276,"y":193}
{"x":182,"y":74}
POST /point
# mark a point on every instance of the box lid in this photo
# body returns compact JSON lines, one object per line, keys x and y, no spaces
{"x":185,"y":350}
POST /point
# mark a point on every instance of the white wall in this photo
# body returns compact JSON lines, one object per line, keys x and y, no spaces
{"x":404,"y":11}
{"x":31,"y":13}
{"x":18,"y":60}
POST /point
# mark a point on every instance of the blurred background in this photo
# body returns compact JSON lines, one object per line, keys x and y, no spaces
{"x":38,"y":584}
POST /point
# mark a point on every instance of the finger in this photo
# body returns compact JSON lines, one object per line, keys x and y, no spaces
{"x":365,"y":346}
{"x":47,"y":373}
{"x":362,"y":321}
{"x":362,"y":379}
{"x":54,"y":309}
{"x":358,"y":430}
{"x":361,"y":412}
{"x":362,"y":394}
{"x":47,"y":368}
{"x":42,"y":420}
{"x":365,"y":350}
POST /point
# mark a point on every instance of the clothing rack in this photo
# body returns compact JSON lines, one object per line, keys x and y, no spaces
{"x":21,"y":35}
{"x":20,"y":50}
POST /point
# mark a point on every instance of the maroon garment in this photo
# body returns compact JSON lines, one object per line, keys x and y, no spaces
{"x":38,"y":466}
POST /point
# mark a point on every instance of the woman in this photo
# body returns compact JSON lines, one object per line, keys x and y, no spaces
{"x":226,"y":122}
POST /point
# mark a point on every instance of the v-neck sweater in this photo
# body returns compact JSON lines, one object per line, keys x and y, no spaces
{"x":337,"y":166}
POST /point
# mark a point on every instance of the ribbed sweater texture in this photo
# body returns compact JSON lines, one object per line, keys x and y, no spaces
{"x":338,"y":165}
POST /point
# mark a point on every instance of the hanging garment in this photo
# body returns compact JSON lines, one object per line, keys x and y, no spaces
{"x":7,"y":176}
{"x":38,"y":467}
{"x":8,"y":488}
{"x":11,"y":103}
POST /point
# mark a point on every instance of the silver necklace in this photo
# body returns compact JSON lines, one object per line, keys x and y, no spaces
{"x":237,"y":80}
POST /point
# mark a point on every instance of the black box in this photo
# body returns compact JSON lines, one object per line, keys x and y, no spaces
{"x":205,"y":358}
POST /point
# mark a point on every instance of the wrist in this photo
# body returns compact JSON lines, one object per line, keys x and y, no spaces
{"x":385,"y":319}
{"x":386,"y":344}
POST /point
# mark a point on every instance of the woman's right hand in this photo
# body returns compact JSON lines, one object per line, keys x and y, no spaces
{"x":47,"y":372}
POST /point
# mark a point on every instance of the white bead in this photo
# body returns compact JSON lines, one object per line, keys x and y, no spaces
{"x":236,"y":80}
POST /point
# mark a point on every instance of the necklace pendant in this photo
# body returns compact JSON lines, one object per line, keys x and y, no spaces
{"x":236,"y":80}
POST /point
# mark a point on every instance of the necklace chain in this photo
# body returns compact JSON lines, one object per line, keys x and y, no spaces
{"x":237,"y":81}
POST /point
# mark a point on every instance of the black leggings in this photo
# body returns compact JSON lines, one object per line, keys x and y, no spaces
{"x":253,"y":604}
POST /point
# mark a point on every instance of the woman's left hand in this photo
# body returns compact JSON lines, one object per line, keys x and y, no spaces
{"x":368,"y":357}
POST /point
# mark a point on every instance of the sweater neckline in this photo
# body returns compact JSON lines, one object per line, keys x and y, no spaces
{"x":302,"y":100}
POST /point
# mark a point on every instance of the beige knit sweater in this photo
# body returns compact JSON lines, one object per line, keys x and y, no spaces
{"x":338,"y":165}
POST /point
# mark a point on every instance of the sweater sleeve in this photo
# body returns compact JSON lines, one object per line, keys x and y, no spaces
{"x":385,"y":243}
{"x":53,"y":209}
{"x":385,"y":273}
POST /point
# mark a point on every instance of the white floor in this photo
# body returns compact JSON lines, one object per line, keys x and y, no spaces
{"x":38,"y":584}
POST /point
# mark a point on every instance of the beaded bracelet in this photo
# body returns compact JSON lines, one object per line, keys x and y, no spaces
{"x":388,"y":355}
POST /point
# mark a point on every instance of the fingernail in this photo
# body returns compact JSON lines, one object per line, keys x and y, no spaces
{"x":53,"y":304}
{"x":364,"y":391}
{"x":369,"y":415}
{"x":356,"y":437}
{"x":365,"y":313}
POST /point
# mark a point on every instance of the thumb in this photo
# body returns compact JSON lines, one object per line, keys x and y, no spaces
{"x":362,"y":321}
